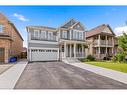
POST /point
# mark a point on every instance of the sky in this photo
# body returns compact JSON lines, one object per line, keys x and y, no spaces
{"x":54,"y":16}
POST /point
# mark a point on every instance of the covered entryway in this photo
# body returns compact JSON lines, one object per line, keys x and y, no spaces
{"x":44,"y":54}
{"x":1,"y":55}
{"x":72,"y":49}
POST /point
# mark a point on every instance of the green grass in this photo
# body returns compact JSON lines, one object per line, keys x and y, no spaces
{"x":122,"y":67}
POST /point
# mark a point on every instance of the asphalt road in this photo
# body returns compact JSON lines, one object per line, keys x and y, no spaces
{"x":58,"y":75}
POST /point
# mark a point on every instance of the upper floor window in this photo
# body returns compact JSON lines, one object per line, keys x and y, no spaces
{"x":1,"y":28}
{"x":50,"y":35}
{"x":36,"y":33}
{"x":43,"y":34}
{"x":77,"y":35}
{"x":81,"y":35}
{"x":64,"y":34}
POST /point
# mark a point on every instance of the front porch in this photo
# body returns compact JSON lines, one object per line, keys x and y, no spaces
{"x":101,"y":52}
{"x":70,"y":49}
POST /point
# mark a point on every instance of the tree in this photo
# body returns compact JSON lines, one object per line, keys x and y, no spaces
{"x":123,"y":42}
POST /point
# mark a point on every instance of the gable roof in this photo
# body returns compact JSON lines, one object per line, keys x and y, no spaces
{"x":71,"y":24}
{"x":16,"y":30}
{"x":2,"y":15}
{"x":68,"y":23}
{"x":98,"y":30}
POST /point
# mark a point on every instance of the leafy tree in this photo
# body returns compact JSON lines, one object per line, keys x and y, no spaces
{"x":123,"y":42}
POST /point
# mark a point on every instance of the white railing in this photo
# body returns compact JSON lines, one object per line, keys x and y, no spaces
{"x":103,"y":42}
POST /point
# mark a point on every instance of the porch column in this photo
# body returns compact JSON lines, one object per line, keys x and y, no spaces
{"x":99,"y":38}
{"x":112,"y":45}
{"x":99,"y":46}
{"x":70,"y":49}
{"x":82,"y":50}
{"x":106,"y":45}
{"x":70,"y":33}
{"x":74,"y":50}
{"x":30,"y":53}
{"x":65,"y":49}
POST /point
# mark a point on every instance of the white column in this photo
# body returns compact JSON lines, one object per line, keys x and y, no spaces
{"x":70,"y":49}
{"x":70,"y":33}
{"x":106,"y":44}
{"x":99,"y":47}
{"x":65,"y":49}
{"x":99,"y":38}
{"x":82,"y":50}
{"x":112,"y":45}
{"x":30,"y":53}
{"x":74,"y":50}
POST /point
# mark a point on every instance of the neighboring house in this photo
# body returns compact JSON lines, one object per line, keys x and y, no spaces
{"x":24,"y":53}
{"x":11,"y":42}
{"x":47,"y":44}
{"x":103,"y":42}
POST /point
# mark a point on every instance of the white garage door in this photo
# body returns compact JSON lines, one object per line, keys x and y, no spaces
{"x":44,"y":54}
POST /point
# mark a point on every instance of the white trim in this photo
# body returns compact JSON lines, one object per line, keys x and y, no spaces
{"x":43,"y":48}
{"x":42,"y":42}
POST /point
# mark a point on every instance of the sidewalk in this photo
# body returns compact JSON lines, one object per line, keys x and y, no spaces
{"x":9,"y":78}
{"x":116,"y":75}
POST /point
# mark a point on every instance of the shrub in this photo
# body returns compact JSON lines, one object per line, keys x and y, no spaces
{"x":84,"y":60}
{"x":114,"y":59}
{"x":120,"y":57}
{"x":90,"y":58}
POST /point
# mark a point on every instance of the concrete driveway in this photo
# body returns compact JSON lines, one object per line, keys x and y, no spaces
{"x":58,"y":75}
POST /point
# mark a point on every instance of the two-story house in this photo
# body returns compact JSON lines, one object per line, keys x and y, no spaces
{"x":103,"y":42}
{"x":11,"y":42}
{"x":48,"y":44}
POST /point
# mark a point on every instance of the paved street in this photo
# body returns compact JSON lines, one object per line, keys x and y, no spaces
{"x":58,"y":75}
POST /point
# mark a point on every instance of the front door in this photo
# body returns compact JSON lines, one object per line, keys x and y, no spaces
{"x":1,"y":55}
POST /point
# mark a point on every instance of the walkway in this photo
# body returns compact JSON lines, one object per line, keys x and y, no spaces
{"x":9,"y":78}
{"x":116,"y":75}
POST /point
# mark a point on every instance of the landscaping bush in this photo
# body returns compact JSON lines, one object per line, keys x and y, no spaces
{"x":114,"y":59}
{"x":120,"y":57}
{"x":84,"y":60}
{"x":90,"y":58}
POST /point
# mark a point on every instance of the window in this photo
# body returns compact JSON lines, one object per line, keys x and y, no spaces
{"x":80,"y":35}
{"x":36,"y":33}
{"x":43,"y":34}
{"x":1,"y":28}
{"x":74,"y":34}
{"x":64,"y":34}
{"x":54,"y":50}
{"x":50,"y":35}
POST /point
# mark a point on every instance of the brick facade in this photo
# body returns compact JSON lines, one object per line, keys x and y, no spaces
{"x":10,"y":39}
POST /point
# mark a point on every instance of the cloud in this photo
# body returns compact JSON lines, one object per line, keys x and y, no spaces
{"x":20,"y":17}
{"x":119,"y":30}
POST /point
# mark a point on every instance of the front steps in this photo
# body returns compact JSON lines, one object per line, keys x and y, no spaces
{"x":71,"y":60}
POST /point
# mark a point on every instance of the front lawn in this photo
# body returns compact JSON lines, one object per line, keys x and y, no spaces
{"x":122,"y":67}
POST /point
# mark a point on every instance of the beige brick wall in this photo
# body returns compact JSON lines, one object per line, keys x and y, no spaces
{"x":17,"y":44}
{"x":14,"y":46}
{"x":6,"y":44}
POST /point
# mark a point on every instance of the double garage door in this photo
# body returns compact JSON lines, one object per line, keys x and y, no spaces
{"x":44,"y":54}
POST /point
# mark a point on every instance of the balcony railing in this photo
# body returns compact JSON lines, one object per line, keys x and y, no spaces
{"x":44,"y":39}
{"x":103,"y":42}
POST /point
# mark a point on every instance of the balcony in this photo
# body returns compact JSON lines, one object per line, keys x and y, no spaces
{"x":103,"y":42}
{"x":44,"y":39}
